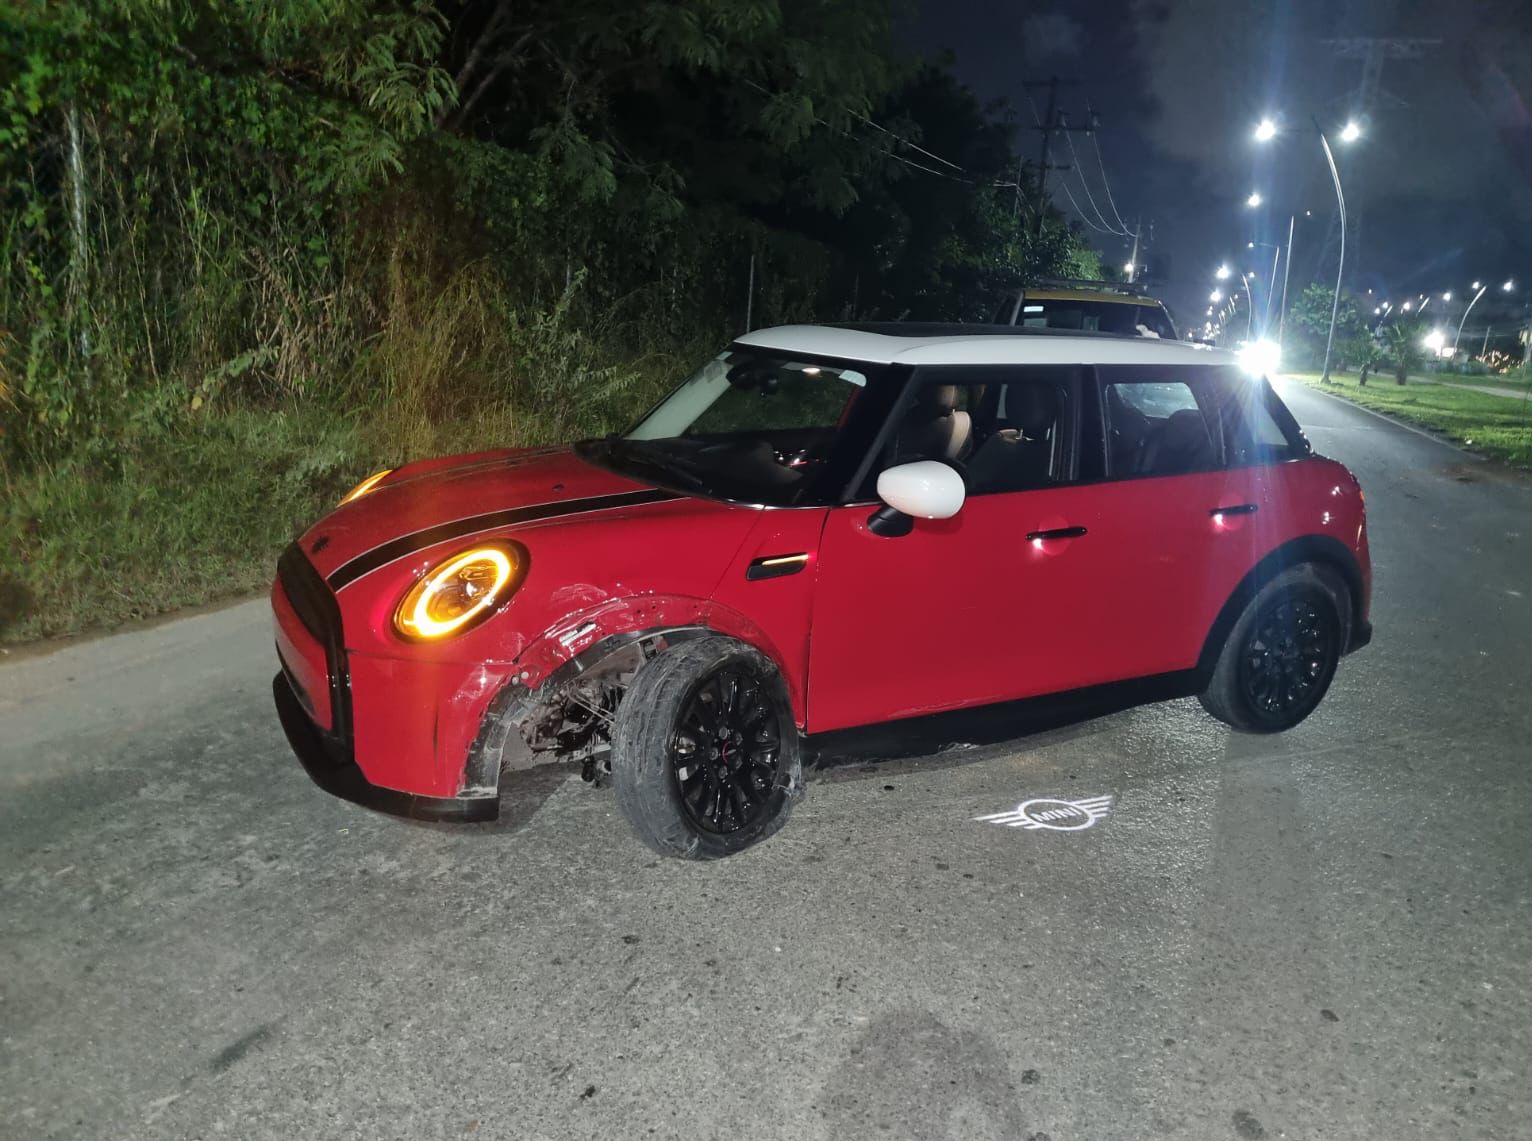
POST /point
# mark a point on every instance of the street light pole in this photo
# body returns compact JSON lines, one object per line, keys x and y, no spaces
{"x":1340,"y":199}
{"x":1461,"y":323}
{"x":1287,"y":270}
{"x":1249,"y":308}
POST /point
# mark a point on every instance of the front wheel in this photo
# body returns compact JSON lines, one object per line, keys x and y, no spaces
{"x":1279,"y":658}
{"x":705,"y":757}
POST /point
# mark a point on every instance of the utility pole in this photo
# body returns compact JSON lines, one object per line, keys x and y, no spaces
{"x":1138,"y":231}
{"x":1051,"y":123}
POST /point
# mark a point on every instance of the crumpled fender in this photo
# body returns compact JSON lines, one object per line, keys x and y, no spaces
{"x":581,"y":640}
{"x":650,"y":613}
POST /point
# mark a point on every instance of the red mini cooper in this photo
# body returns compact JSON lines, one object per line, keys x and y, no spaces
{"x":823,"y":528}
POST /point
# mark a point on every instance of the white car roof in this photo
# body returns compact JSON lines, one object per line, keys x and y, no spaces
{"x":950,"y":345}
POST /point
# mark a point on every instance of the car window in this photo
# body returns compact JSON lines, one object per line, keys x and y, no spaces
{"x":1008,"y":433}
{"x":1159,"y":426}
{"x":756,"y":425}
{"x":1152,"y":322}
{"x":1255,"y":434}
{"x":1089,"y":316}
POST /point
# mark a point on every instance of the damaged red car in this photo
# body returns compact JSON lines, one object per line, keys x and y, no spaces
{"x":823,"y":528}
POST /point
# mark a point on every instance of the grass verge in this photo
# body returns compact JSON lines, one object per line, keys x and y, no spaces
{"x":197,"y":515}
{"x":1491,"y":425}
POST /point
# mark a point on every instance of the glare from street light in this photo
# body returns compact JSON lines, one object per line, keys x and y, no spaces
{"x":1508,"y":286}
{"x":1265,"y":131}
{"x":1128,"y":268}
{"x":1351,"y":132}
{"x":1447,"y":296}
{"x":1377,"y":309}
{"x":1221,"y":272}
{"x":1215,"y":297}
{"x":1255,"y":199}
{"x":1406,"y":306}
{"x":1475,"y":285}
{"x":1435,"y":339}
{"x":1250,"y":245}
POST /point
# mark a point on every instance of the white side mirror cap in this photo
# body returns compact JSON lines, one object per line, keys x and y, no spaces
{"x":925,"y":489}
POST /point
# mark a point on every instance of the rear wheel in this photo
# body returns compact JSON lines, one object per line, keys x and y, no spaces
{"x":705,"y":757}
{"x":1280,"y":657}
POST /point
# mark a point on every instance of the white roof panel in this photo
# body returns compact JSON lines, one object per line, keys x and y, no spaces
{"x":956,"y":348}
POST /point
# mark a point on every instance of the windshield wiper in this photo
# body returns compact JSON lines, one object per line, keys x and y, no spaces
{"x":647,"y":454}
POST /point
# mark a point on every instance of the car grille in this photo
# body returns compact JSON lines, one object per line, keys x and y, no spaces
{"x":316,"y":607}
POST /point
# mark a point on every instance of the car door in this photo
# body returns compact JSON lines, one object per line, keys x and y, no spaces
{"x":978,"y":608}
{"x":1180,"y":522}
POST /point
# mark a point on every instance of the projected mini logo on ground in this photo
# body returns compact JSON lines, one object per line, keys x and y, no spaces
{"x":1054,"y":815}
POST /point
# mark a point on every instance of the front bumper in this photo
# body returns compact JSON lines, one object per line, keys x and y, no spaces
{"x":328,"y":762}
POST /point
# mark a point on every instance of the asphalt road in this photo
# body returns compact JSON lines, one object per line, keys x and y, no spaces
{"x":1326,"y":934}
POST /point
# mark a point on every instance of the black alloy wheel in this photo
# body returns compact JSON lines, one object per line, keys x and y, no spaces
{"x":706,"y":756}
{"x":1287,"y":656}
{"x":726,"y":751}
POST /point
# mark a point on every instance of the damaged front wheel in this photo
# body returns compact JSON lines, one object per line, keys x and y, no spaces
{"x":706,"y":758}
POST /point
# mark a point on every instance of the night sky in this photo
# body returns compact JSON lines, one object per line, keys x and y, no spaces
{"x":1442,"y":181}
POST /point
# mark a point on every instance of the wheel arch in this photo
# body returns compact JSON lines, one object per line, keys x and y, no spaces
{"x":1320,"y":550}
{"x":583,"y":642}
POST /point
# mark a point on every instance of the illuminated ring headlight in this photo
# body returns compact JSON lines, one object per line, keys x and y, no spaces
{"x":460,"y":593}
{"x":366,"y":485}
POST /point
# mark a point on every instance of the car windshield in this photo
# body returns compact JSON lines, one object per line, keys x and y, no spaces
{"x":761,"y":427}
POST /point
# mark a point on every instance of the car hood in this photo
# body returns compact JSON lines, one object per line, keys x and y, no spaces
{"x":429,"y":502}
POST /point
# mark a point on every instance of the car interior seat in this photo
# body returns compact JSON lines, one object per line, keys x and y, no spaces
{"x":935,"y":428}
{"x":1019,"y":452}
{"x":1179,"y":443}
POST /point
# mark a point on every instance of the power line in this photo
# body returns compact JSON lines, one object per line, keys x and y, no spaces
{"x":907,"y":142}
{"x":1084,"y":217}
{"x":1085,"y":185}
{"x":1106,"y":185}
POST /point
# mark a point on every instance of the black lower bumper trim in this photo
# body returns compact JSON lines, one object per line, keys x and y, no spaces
{"x":340,"y":775}
{"x":1360,"y":637}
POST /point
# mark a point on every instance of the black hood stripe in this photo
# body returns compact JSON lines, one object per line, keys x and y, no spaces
{"x":369,"y":561}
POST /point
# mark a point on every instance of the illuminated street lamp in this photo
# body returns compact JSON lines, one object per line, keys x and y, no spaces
{"x":1254,"y":200}
{"x":1215,"y":297}
{"x":1350,"y":133}
{"x":1447,"y":296}
{"x":1265,"y":131}
{"x":1480,"y":287}
{"x":1221,"y":273}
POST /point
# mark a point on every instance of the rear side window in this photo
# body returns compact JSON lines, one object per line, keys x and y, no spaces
{"x":1259,"y":428}
{"x":1160,"y":421}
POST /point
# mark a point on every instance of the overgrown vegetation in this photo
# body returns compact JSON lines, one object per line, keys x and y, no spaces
{"x":249,"y":252}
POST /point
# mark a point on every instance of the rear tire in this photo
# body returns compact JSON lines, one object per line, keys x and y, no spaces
{"x":706,"y":760}
{"x":1280,"y":656}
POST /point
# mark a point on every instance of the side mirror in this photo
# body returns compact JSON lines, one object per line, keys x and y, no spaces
{"x":926,"y":489}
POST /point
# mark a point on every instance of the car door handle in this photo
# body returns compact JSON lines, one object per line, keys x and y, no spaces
{"x":1055,"y":533}
{"x":1237,"y":509}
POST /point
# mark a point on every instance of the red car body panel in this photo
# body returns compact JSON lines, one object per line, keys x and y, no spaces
{"x":967,"y":611}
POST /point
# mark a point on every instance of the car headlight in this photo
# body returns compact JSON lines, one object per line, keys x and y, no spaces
{"x":366,"y":485}
{"x":458,"y":594}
